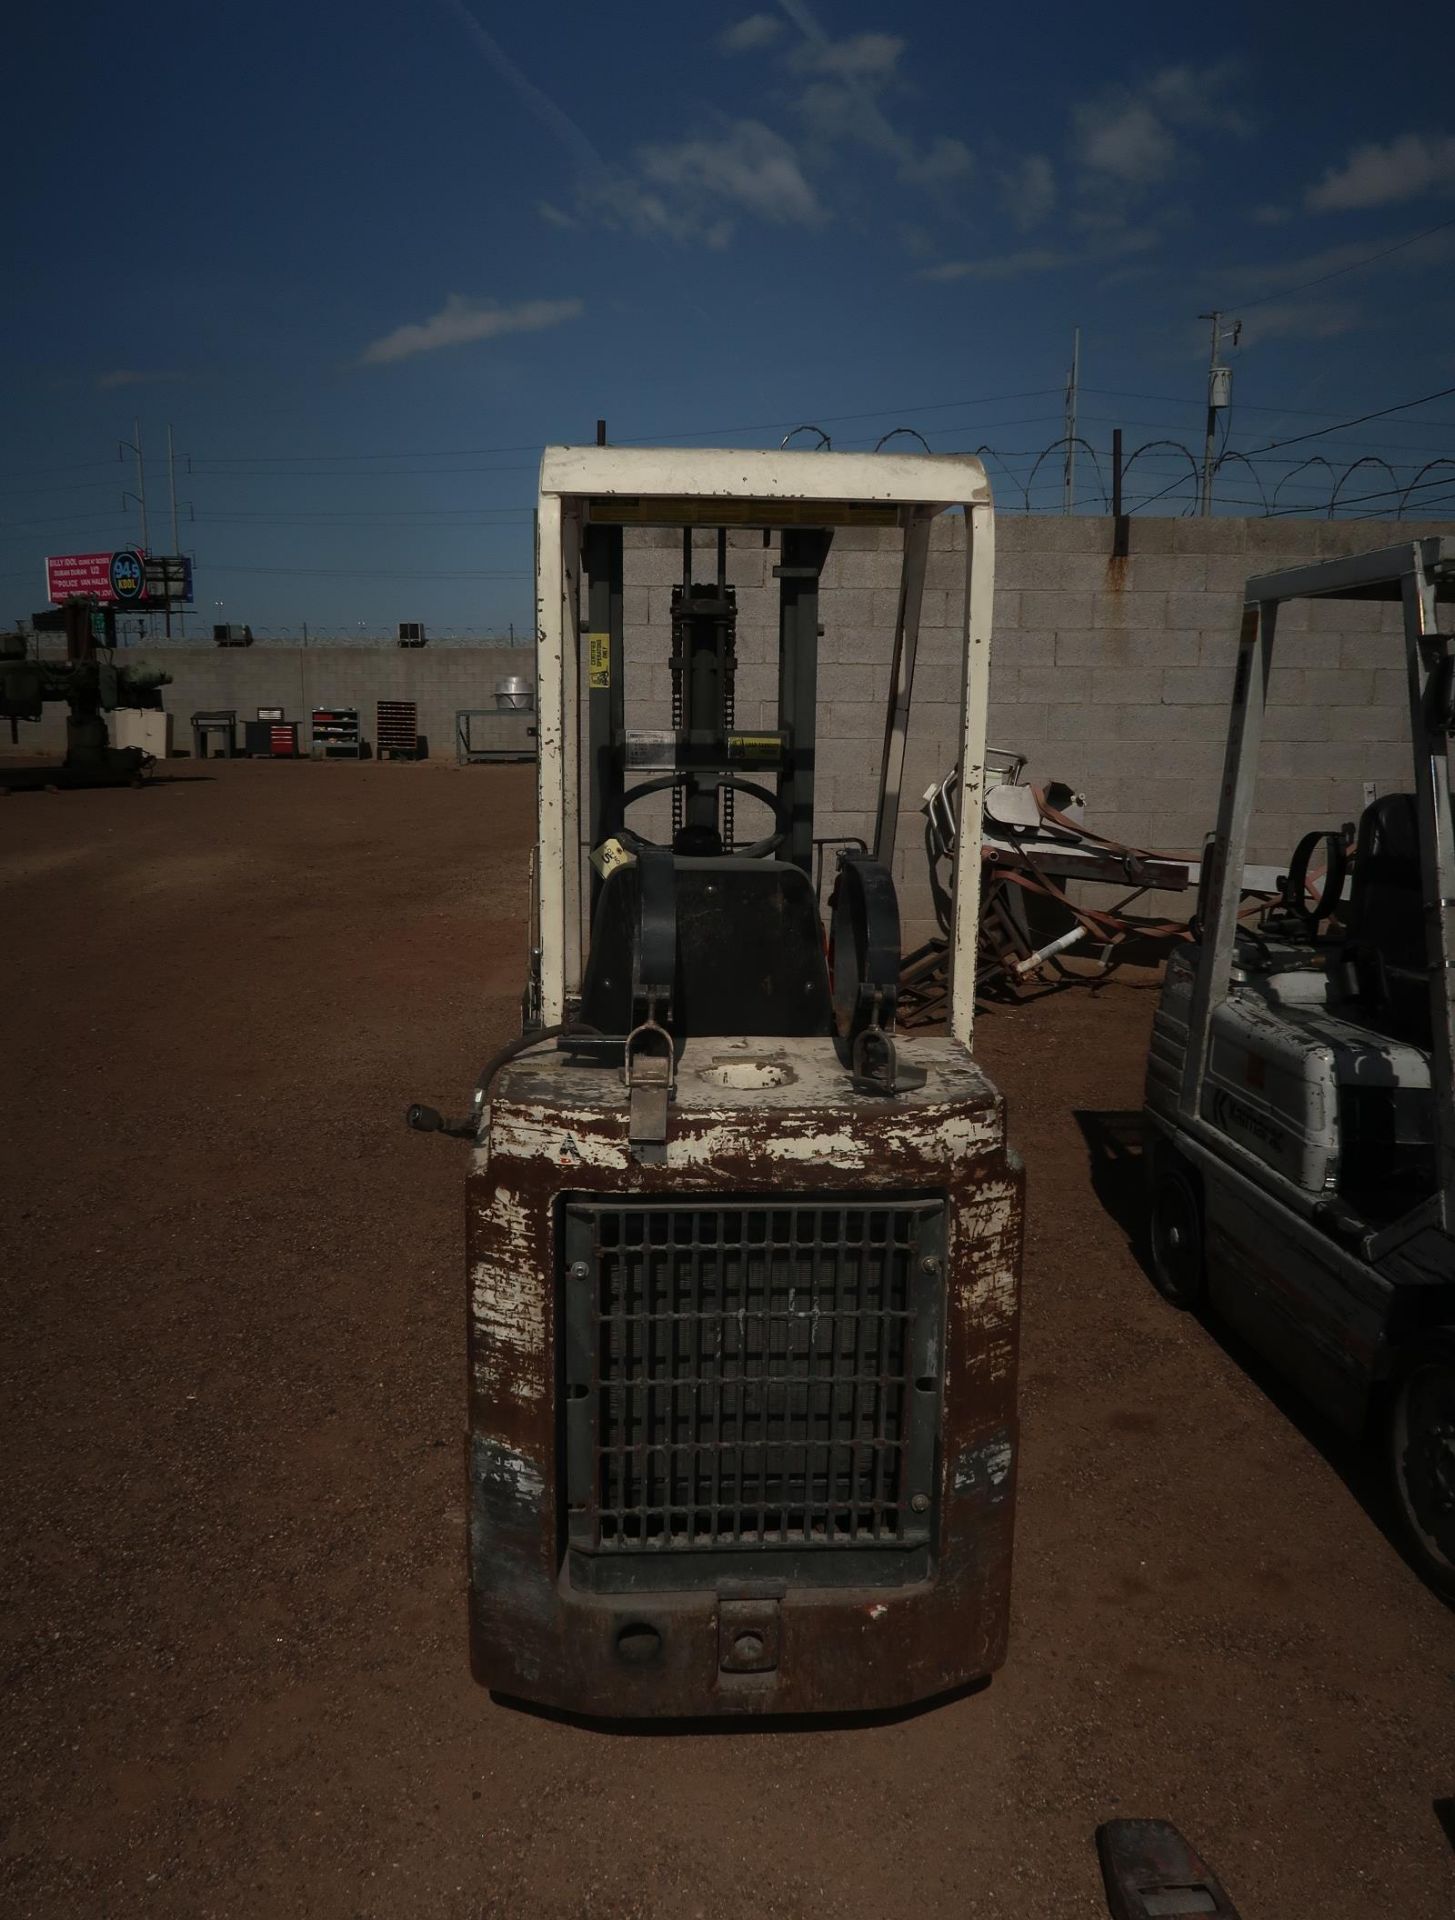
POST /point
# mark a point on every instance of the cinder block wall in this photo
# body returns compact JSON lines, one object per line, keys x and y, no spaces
{"x":1111,"y":674}
{"x":299,"y":679}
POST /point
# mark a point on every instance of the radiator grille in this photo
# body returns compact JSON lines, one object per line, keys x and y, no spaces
{"x":757,"y":1375}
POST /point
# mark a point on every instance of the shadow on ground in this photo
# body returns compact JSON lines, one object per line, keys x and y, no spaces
{"x":1116,"y":1145}
{"x":739,"y":1724}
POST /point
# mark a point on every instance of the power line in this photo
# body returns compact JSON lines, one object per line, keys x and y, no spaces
{"x":1244,"y":406}
{"x":382,"y":573}
{"x":1302,"y":286}
{"x":644,"y":440}
{"x":1380,"y":413}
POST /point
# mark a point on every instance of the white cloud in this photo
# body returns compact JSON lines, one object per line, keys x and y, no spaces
{"x":1128,"y":140}
{"x":944,"y":160}
{"x":554,"y":216}
{"x":460,"y":321}
{"x":1194,"y":97}
{"x":1378,"y":176}
{"x":1124,"y":141}
{"x":746,"y":167}
{"x":843,"y":101}
{"x":863,"y":56}
{"x":1271,"y":215}
{"x":1028,"y":190}
{"x":1006,"y":266}
{"x":1300,"y":320}
{"x":758,"y":30}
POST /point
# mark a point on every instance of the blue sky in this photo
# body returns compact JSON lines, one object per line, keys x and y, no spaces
{"x":367,"y":259}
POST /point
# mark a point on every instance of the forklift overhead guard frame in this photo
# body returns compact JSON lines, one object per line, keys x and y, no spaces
{"x":1416,"y":574}
{"x":784,"y":489}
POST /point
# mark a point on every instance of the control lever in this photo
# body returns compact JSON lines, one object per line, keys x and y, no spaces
{"x":422,"y":1119}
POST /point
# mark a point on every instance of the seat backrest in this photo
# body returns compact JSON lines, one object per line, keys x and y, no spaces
{"x":1384,"y":949}
{"x":1386,"y":898}
{"x":750,"y":955}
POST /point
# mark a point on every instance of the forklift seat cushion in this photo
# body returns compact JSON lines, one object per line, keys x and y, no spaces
{"x":750,"y":954}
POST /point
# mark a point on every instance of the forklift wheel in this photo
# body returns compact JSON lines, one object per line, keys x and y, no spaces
{"x":1177,"y":1254}
{"x":1422,"y":1454}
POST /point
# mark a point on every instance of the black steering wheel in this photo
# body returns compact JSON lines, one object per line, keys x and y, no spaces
{"x":668,"y":782}
{"x":1297,"y":897}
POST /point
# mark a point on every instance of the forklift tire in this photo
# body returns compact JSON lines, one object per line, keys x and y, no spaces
{"x":1422,"y":1456}
{"x":1179,"y":1269}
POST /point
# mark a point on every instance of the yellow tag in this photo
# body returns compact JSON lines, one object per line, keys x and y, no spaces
{"x":598,"y":658}
{"x":610,"y":855}
{"x":754,"y":745}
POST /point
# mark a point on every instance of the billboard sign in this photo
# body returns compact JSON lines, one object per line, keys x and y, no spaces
{"x":128,"y":575}
{"x":68,"y":574}
{"x":124,"y":578}
{"x":169,"y":577}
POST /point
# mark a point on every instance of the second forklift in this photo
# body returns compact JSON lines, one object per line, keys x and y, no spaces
{"x":1299,"y":1088}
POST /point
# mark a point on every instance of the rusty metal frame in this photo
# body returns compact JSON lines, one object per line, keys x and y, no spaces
{"x":536,"y":1632}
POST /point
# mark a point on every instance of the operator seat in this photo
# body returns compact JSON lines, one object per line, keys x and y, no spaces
{"x":1383,"y":965}
{"x":750,"y":951}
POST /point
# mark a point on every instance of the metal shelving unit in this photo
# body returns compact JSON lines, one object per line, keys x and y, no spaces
{"x":335,"y":733}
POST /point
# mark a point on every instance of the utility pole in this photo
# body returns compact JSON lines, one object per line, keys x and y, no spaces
{"x":140,"y":496}
{"x":1073,"y":381}
{"x":176,"y":544}
{"x":1219,"y":398}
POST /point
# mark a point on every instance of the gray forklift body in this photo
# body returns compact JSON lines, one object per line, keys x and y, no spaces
{"x":1307,"y":1086}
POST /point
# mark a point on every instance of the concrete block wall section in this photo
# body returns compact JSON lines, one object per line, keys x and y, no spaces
{"x":298,"y":679}
{"x":1111,"y":674}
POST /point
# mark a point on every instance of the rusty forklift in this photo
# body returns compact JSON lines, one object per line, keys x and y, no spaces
{"x":743,"y":1260}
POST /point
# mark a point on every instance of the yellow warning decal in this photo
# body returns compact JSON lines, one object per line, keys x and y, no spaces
{"x":610,"y":855}
{"x":755,"y":745}
{"x":598,"y":659}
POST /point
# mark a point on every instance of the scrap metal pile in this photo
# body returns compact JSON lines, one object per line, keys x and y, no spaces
{"x":1035,"y":845}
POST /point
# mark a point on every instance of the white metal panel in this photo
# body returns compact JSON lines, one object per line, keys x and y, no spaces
{"x":573,"y":746}
{"x":1230,"y":842}
{"x":551,"y":770}
{"x":979,"y":610}
{"x":912,"y":479}
{"x":1376,"y":575}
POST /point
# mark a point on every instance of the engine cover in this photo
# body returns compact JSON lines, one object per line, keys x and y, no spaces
{"x":743,"y":1422}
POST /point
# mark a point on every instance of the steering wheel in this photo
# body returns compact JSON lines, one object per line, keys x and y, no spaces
{"x":1295,"y":892}
{"x":668,"y":782}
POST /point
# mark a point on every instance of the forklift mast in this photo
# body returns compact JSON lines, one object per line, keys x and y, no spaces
{"x":744,"y":1263}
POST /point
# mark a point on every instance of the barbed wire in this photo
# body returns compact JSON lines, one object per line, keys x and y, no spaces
{"x":1410,"y":489}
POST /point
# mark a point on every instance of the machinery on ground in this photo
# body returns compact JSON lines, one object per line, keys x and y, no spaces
{"x":1299,"y":1088}
{"x":1034,"y":844}
{"x":92,"y":685}
{"x":744,"y":1264}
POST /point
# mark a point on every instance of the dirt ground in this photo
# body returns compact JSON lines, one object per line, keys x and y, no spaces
{"x":233,"y":1340}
